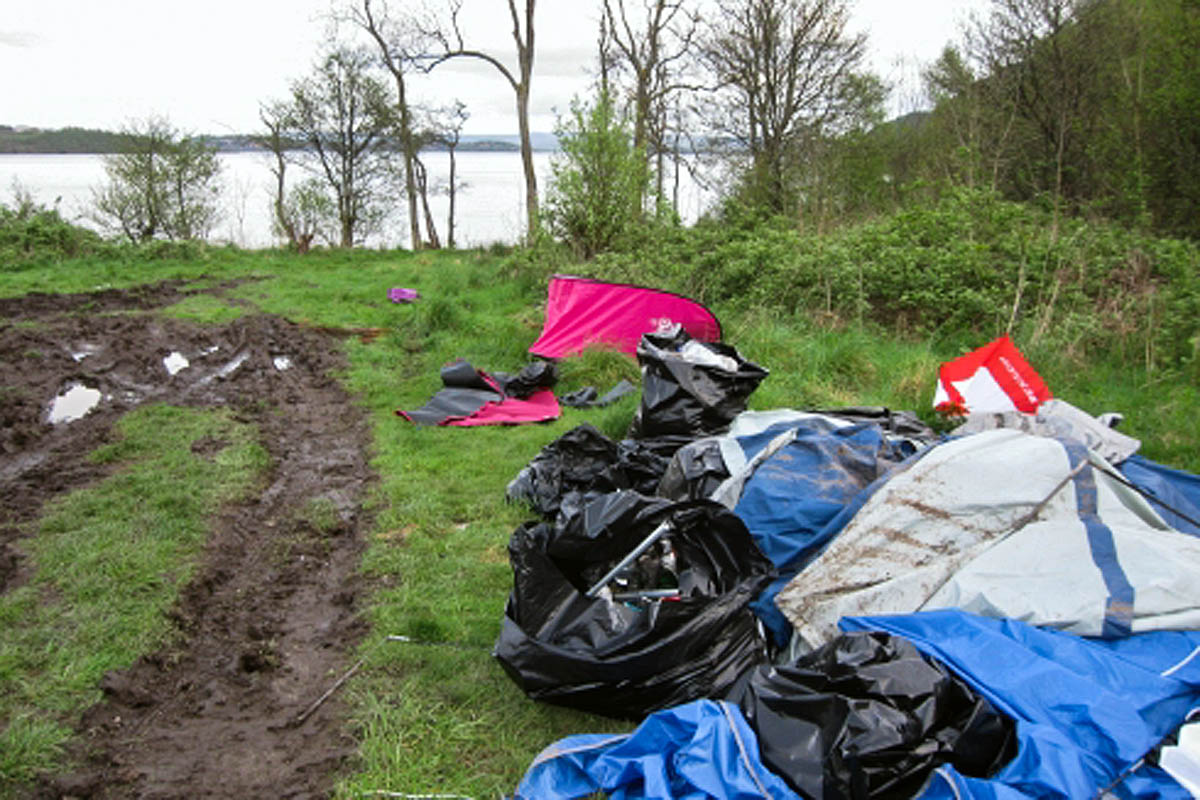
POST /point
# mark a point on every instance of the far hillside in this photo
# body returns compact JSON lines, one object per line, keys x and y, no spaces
{"x":15,"y":139}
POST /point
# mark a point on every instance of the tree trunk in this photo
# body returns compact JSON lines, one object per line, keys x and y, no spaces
{"x":531,"y":190}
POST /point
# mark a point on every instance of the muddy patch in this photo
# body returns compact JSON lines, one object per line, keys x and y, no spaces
{"x":269,"y":621}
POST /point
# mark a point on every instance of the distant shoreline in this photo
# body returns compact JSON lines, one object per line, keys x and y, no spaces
{"x":20,"y":140}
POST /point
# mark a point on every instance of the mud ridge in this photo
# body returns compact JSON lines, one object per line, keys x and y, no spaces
{"x":270,"y":619}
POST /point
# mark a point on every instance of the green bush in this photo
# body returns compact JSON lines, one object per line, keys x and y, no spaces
{"x":599,"y":181}
{"x":960,"y":267}
{"x":31,"y":233}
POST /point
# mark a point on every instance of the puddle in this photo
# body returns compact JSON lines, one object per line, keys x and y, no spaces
{"x":73,"y":404}
{"x":233,"y":365}
{"x":84,"y":351}
{"x":175,"y":362}
{"x":282,"y":362}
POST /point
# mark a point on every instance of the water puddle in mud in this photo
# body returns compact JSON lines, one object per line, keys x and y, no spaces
{"x":233,"y":365}
{"x":84,"y":351}
{"x":73,"y":404}
{"x":175,"y":362}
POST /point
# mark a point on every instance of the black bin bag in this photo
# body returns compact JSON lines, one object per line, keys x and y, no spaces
{"x":624,"y":658}
{"x":867,"y":715}
{"x":691,"y":388}
{"x":581,"y":465}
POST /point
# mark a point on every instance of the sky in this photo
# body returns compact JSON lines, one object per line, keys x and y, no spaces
{"x":207,"y":67}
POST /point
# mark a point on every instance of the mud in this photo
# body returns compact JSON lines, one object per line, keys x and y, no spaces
{"x":270,"y":620}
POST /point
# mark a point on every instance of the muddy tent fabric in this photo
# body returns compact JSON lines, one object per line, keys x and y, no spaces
{"x":794,"y":478}
{"x":581,"y":313}
{"x":1087,"y":710}
{"x":702,"y":749}
{"x":1004,"y":524}
{"x":994,"y":378}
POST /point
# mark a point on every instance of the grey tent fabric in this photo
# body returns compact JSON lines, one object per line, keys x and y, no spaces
{"x":1004,"y":524}
{"x":1058,"y":418}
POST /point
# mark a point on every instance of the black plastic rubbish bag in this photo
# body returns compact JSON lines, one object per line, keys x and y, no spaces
{"x":868,"y":716}
{"x":695,"y":471}
{"x":534,"y":376}
{"x":691,"y":387}
{"x":581,"y":465}
{"x":626,"y":658}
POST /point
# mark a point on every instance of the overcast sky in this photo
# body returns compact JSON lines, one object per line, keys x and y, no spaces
{"x":207,"y":66}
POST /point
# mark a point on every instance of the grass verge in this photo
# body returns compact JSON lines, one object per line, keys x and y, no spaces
{"x":109,"y":560}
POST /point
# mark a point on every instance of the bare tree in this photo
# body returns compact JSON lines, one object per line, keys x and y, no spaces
{"x":275,"y":118}
{"x":783,"y":72}
{"x":162,"y":184}
{"x":446,"y":126}
{"x":403,"y":44}
{"x":1040,"y":50}
{"x":453,"y":46}
{"x":978,"y":114}
{"x":342,"y":115}
{"x":651,"y":48}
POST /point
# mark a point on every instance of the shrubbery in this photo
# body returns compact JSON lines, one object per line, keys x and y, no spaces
{"x":31,"y":233}
{"x":959,"y":267}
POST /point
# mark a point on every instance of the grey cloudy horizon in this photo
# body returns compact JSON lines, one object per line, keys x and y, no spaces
{"x":208,"y":68}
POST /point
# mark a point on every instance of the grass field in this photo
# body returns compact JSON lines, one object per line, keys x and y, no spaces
{"x":435,"y":714}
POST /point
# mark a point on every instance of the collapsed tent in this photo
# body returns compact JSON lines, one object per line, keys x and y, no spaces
{"x":794,"y":478}
{"x":994,"y":378}
{"x":1004,"y":524}
{"x":472,"y":397}
{"x":581,"y":313}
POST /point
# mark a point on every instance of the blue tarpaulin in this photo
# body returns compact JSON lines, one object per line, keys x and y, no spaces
{"x":1177,"y":491}
{"x":1087,"y":710}
{"x":699,"y":750}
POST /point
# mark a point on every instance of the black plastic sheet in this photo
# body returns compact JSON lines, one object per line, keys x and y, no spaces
{"x":581,"y":465}
{"x":589,"y":396}
{"x":626,"y":659}
{"x":465,"y":391}
{"x":533,"y":376}
{"x":869,"y":716}
{"x":695,"y":472}
{"x":691,"y":388}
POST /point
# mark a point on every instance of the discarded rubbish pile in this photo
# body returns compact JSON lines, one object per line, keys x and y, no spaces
{"x":1065,"y":653}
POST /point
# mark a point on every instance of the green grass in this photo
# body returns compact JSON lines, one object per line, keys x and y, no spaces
{"x":438,"y":715}
{"x":204,"y":309}
{"x":109,"y":561}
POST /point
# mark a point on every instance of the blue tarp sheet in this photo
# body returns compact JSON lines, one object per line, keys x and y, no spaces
{"x":1087,"y":710}
{"x":699,"y":750}
{"x":1177,"y":489}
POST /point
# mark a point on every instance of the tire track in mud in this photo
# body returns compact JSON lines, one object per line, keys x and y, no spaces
{"x":269,"y":620}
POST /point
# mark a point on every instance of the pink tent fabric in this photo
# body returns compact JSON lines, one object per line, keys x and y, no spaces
{"x":994,"y":378}
{"x":582,"y":312}
{"x":538,"y":407}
